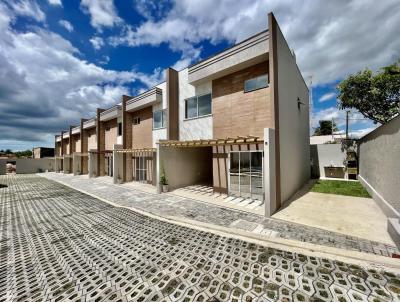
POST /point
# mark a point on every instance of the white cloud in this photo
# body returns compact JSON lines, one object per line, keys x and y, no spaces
{"x":331,"y":38}
{"x":97,"y":42}
{"x":55,"y":2}
{"x":102,"y":13}
{"x":45,"y":85}
{"x":27,"y":8}
{"x":104,"y":60}
{"x":67,"y":25}
{"x":327,"y":96}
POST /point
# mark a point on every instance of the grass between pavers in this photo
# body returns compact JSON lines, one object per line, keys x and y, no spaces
{"x":340,"y":187}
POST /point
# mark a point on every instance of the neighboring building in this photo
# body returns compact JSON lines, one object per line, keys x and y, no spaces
{"x":237,"y":121}
{"x":41,"y":152}
{"x":326,"y":139}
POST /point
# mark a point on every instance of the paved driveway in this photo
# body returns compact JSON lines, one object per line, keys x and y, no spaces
{"x":59,"y":244}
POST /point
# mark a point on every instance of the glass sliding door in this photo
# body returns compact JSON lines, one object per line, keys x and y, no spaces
{"x":141,"y":169}
{"x":234,"y":174}
{"x":246,"y":174}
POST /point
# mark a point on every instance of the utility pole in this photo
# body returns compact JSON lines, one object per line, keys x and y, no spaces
{"x":347,"y":124}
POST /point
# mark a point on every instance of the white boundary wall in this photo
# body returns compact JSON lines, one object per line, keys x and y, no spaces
{"x":28,"y":165}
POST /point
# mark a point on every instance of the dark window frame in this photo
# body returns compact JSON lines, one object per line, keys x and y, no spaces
{"x":163,"y":118}
{"x":119,"y":129}
{"x":256,"y":79}
{"x":197,"y":106}
{"x":136,"y":120}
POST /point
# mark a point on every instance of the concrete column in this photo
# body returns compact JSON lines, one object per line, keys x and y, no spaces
{"x":92,"y":163}
{"x":77,"y":164}
{"x":172,"y":80}
{"x":126,"y":140}
{"x":66,"y":164}
{"x":83,"y":141}
{"x":269,"y":172}
{"x":100,"y":136}
{"x":117,"y":164}
{"x":71,"y":150}
{"x":158,"y":167}
{"x":62,"y":150}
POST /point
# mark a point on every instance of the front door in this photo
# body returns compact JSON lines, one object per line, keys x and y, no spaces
{"x":246,"y":174}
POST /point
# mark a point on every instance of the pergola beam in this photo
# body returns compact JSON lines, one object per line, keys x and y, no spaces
{"x":249,"y":139}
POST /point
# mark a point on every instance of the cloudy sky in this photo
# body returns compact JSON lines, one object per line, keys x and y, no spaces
{"x":61,"y":59}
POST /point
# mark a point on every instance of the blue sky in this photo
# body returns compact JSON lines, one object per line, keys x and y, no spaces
{"x":60,"y":59}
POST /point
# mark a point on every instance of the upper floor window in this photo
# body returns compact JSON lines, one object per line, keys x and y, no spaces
{"x":158,"y":119}
{"x":256,"y":83}
{"x":198,"y":106}
{"x":136,"y":120}
{"x":119,"y":129}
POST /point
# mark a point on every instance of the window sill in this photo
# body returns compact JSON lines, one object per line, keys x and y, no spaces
{"x":159,"y":128}
{"x":248,"y":91}
{"x":197,"y":117}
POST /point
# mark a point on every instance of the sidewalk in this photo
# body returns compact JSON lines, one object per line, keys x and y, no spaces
{"x":209,"y":215}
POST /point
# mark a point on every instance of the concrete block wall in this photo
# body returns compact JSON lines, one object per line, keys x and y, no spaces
{"x":379,"y":165}
{"x":29,"y":165}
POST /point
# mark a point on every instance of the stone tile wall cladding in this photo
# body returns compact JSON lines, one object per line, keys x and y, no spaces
{"x":65,"y":146}
{"x":111,"y":133}
{"x":60,"y":244}
{"x":91,"y":138}
{"x":238,"y":113}
{"x":57,"y":151}
{"x":127,"y":120}
{"x":142,"y":133}
{"x":85,"y":150}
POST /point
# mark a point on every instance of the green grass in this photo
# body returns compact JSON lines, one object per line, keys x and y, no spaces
{"x":340,"y":187}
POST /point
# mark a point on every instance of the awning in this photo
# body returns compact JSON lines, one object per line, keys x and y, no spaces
{"x":249,"y":139}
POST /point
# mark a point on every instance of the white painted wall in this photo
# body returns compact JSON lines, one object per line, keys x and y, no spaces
{"x":326,"y":155}
{"x":29,"y":165}
{"x":198,"y":128}
{"x":185,"y":166}
{"x":293,"y":122}
{"x":160,"y":133}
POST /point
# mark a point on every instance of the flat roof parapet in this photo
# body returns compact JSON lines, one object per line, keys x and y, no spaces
{"x":246,"y":53}
{"x":89,"y":123}
{"x":147,"y":98}
{"x":110,"y":113}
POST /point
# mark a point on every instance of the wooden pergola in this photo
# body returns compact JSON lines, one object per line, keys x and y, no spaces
{"x":249,"y":139}
{"x":101,"y":152}
{"x":80,"y":154}
{"x":138,"y":151}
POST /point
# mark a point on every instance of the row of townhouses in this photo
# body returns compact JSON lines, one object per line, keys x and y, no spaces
{"x":237,"y":121}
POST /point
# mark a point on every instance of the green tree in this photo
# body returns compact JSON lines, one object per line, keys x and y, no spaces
{"x":375,"y":95}
{"x":325,"y":128}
